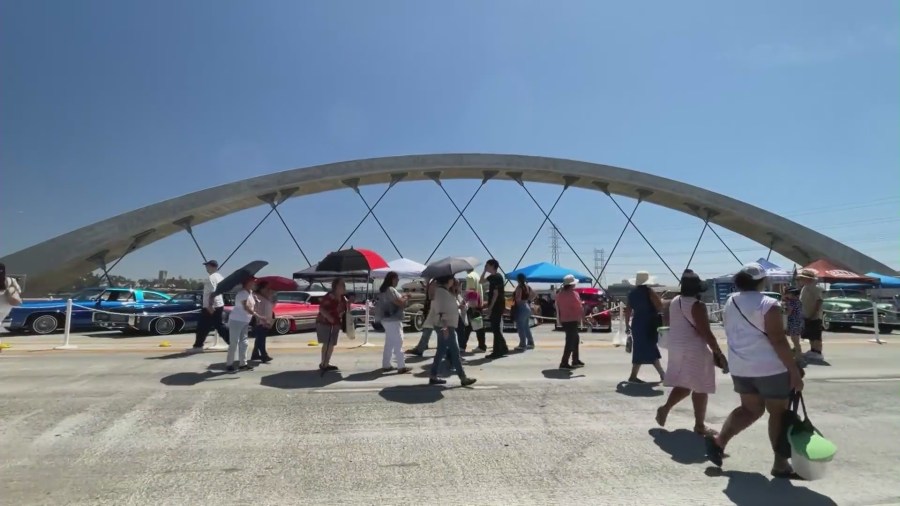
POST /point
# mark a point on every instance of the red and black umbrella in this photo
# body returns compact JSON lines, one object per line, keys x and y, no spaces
{"x":349,"y":260}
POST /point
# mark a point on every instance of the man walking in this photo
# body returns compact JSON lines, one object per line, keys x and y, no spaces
{"x":213,"y":307}
{"x":495,"y":306}
{"x":811,"y":305}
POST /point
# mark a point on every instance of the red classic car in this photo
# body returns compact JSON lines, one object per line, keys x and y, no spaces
{"x":296,"y":311}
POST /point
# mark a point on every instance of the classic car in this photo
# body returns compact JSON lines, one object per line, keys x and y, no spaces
{"x":179,"y":314}
{"x":841,"y":313}
{"x":296,"y":311}
{"x":414,"y":312}
{"x":47,"y":316}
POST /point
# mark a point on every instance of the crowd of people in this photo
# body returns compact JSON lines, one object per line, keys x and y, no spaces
{"x":765,"y":366}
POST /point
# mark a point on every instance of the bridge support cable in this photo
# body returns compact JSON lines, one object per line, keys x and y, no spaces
{"x":771,"y":245}
{"x":436,"y":176}
{"x":711,"y":229}
{"x":354,"y":185}
{"x":100,"y":258}
{"x":395,"y":178}
{"x":641,"y":195}
{"x":185,"y":223}
{"x":541,"y":227}
{"x":458,"y":216}
{"x":616,"y":245}
{"x":518,"y":178}
{"x":269,"y":199}
{"x":286,"y":194}
{"x":702,"y":231}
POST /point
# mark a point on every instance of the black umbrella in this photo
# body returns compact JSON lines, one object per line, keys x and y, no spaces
{"x":311,"y":274}
{"x":351,"y":260}
{"x":449,"y":266}
{"x":238,"y":277}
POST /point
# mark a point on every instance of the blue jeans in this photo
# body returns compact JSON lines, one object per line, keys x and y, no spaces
{"x":447,"y":345}
{"x":423,"y":341}
{"x":523,"y":326}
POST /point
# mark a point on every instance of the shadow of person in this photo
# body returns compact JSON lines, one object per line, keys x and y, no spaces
{"x":560,"y":374}
{"x":300,"y":379}
{"x":415,"y":359}
{"x":169,"y":356}
{"x":189,"y":379}
{"x":755,"y":489}
{"x":415,"y":394}
{"x":637,"y":390}
{"x":685,"y":446}
{"x":366,"y":376}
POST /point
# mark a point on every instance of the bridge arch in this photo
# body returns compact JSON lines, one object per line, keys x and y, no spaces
{"x":64,"y":258}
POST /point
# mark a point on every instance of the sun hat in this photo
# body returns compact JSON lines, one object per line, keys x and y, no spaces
{"x":754,"y":270}
{"x":808,"y":274}
{"x":641,"y":278}
{"x":569,"y":280}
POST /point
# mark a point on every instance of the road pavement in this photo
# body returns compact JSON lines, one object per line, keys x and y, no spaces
{"x":138,"y":424}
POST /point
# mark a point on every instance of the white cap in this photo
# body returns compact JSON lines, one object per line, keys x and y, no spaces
{"x":755,"y":271}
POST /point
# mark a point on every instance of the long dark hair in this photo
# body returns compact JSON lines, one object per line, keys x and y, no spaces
{"x":3,"y":276}
{"x":388,"y":281}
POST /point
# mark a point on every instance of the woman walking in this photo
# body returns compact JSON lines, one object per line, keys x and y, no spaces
{"x":265,"y":304}
{"x":693,"y":353}
{"x":332,"y":308}
{"x":522,"y":298}
{"x":242,"y":313}
{"x":391,"y":304}
{"x":570,"y":313}
{"x":10,"y":294}
{"x":444,"y":319}
{"x":762,"y":367}
{"x":645,"y":306}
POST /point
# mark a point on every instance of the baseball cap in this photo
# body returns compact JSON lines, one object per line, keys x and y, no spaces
{"x":754,"y":270}
{"x":213,"y":263}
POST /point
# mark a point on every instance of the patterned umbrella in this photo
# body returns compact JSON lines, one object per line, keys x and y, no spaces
{"x":348,"y":260}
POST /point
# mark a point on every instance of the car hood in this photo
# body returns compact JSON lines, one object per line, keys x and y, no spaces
{"x":853,"y":303}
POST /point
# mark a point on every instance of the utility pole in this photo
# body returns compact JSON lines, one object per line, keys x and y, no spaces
{"x":599,"y":260}
{"x":554,"y":245}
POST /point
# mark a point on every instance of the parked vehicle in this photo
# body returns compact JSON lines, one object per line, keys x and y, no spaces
{"x":48,"y":316}
{"x":179,"y":314}
{"x":414,"y":312}
{"x":841,"y":313}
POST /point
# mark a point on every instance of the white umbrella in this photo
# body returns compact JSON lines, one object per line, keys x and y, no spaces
{"x":449,"y":266}
{"x":404,"y":267}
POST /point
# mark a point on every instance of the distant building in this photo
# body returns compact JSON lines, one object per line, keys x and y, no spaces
{"x":163,"y":276}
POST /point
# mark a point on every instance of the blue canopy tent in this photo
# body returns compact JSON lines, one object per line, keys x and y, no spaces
{"x":724,"y":286}
{"x":547,"y":273}
{"x":884,"y":281}
{"x":775,"y":273}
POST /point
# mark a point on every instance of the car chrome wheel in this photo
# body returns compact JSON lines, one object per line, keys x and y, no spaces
{"x":418,"y":322}
{"x":164,"y":326}
{"x":44,"y":324}
{"x":282,"y":326}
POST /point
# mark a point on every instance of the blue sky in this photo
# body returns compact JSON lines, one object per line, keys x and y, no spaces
{"x":107,"y":106}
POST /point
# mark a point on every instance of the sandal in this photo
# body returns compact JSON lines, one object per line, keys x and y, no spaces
{"x":787,"y":474}
{"x":714,"y":452}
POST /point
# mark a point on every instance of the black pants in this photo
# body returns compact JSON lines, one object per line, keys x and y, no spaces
{"x":500,"y":346}
{"x":207,"y":322}
{"x":572,"y":342}
{"x":260,"y":334}
{"x":467,"y":333}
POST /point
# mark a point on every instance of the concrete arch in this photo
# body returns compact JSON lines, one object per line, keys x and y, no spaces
{"x":64,"y":258}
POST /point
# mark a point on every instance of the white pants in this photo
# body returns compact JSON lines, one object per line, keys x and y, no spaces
{"x":237,"y":342}
{"x":4,"y":312}
{"x":393,"y":343}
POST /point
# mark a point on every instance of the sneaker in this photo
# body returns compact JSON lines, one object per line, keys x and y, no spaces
{"x":467,"y":381}
{"x":331,"y":368}
{"x":813,"y":355}
{"x":521,"y":347}
{"x":195,"y":349}
{"x":413,"y":351}
{"x":577,"y":363}
{"x":529,"y":347}
{"x":246,"y":367}
{"x":387,"y":369}
{"x":231,"y":369}
{"x":437,"y":381}
{"x":266,"y":359}
{"x":636,"y":381}
{"x":566,"y":366}
{"x":404,"y":370}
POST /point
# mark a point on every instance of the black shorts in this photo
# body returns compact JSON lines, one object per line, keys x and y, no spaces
{"x":775,"y":387}
{"x":812,"y":330}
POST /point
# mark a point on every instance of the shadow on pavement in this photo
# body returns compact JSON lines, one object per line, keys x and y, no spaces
{"x":300,"y":379}
{"x":638,"y":390}
{"x":180,"y":354}
{"x":366,"y":376}
{"x":416,"y":394}
{"x":560,"y":374}
{"x":685,"y":446}
{"x":755,"y":489}
{"x":189,"y":379}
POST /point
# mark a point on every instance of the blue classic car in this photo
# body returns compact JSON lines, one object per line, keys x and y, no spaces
{"x":179,"y":314}
{"x":47,"y":316}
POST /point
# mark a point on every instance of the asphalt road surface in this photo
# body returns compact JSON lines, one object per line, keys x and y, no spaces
{"x":155,"y":426}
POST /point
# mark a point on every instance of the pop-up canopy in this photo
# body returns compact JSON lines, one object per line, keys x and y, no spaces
{"x":829,"y":272}
{"x":404,"y":267}
{"x":547,"y":273}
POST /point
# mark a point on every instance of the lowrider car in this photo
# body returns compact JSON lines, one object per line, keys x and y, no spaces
{"x":48,"y":316}
{"x":177,"y":315}
{"x":844,"y":312}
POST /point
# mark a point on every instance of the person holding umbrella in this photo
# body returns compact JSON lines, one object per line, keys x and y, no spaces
{"x":239,"y":325}
{"x":391,"y":303}
{"x":265,"y":297}
{"x":444,"y":319}
{"x":328,"y":322}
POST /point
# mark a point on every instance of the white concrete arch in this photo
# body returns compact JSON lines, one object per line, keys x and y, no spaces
{"x":64,"y":258}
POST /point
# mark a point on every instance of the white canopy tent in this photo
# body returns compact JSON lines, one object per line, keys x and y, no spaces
{"x":404,"y":267}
